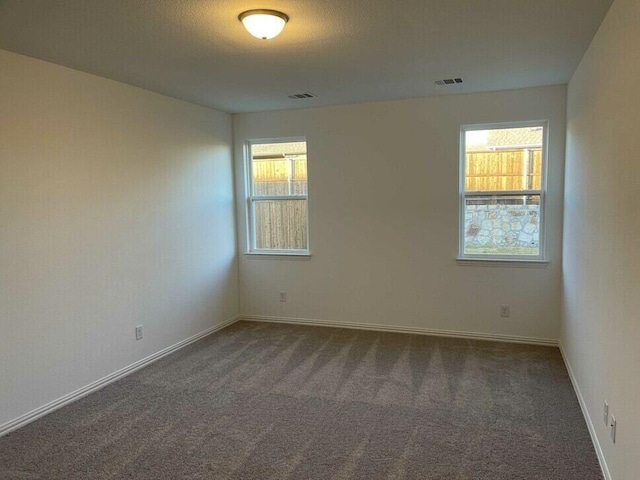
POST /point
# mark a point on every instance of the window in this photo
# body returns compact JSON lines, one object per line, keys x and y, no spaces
{"x":502,"y":180}
{"x":277,"y":200}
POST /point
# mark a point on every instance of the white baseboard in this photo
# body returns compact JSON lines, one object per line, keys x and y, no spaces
{"x":399,"y":329}
{"x":29,"y":417}
{"x":587,"y":417}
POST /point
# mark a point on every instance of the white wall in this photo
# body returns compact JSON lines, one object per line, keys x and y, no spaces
{"x":383,"y":192}
{"x":601,"y":279}
{"x":116,"y":209}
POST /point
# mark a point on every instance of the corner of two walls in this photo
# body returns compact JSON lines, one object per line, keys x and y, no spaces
{"x":118,"y":211}
{"x":600,"y":323}
{"x":383,"y":207}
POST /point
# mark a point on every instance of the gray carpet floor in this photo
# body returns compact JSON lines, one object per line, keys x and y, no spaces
{"x":267,"y":401}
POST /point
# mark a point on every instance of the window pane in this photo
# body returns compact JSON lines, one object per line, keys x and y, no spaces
{"x":279,"y":168}
{"x":503,"y":159}
{"x":502,"y":225}
{"x":281,"y":224}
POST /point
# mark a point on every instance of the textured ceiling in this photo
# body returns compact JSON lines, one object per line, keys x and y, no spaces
{"x":343,"y":51}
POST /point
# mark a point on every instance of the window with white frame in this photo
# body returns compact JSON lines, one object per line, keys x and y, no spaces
{"x":277,"y":203}
{"x":502,"y":191}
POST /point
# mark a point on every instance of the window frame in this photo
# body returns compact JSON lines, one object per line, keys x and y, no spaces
{"x":463,"y":194}
{"x":251,"y":199}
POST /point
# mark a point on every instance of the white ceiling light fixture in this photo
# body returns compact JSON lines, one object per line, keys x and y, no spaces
{"x":263,"y":24}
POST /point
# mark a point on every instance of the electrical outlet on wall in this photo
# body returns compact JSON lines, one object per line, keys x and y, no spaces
{"x":139,"y":332}
{"x":283,"y":296}
{"x":505,"y":311}
{"x":612,"y":428}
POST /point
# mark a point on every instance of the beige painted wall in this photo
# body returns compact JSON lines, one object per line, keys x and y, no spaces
{"x":601,"y":279}
{"x":383,"y":189}
{"x":116,"y":209}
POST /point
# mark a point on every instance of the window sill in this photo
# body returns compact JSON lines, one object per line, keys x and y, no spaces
{"x":501,"y":262}
{"x":279,"y":255}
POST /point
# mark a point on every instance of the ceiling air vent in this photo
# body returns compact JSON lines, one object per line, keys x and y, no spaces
{"x":449,"y":81}
{"x":302,"y":95}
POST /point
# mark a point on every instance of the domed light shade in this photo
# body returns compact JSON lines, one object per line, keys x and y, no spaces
{"x":264,"y":24}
